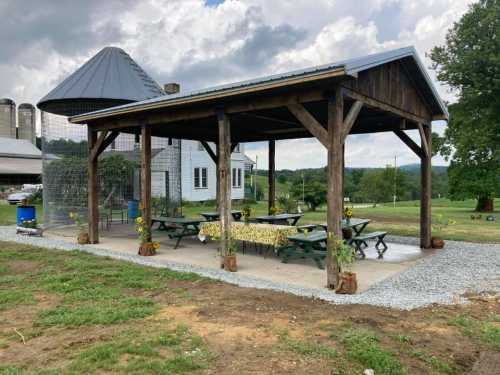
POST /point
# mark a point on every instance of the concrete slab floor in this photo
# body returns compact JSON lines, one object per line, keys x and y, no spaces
{"x":266,"y":266}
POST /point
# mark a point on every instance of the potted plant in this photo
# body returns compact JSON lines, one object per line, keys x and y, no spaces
{"x":246,"y":212}
{"x":146,"y":247}
{"x":82,"y":236}
{"x":273,"y":211}
{"x":347,"y":231}
{"x":344,"y":254}
{"x":229,"y":257}
{"x":29,"y":227}
{"x":439,"y":223}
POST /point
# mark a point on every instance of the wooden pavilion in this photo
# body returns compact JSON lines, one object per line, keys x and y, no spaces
{"x":385,"y":92}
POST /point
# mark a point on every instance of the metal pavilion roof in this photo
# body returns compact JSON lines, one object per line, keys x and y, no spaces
{"x":349,"y":67}
{"x":110,"y":75}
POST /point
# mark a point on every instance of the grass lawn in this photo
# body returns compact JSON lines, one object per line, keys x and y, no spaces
{"x":404,"y":218}
{"x":71,"y":312}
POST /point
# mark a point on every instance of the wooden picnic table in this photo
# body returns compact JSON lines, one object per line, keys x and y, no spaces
{"x":214,"y":216}
{"x":357,"y":225}
{"x":310,"y":245}
{"x":281,"y":219}
{"x":178,"y":227}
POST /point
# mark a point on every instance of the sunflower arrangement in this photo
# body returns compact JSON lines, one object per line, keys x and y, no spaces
{"x":348,"y":213}
{"x":246,"y":212}
{"x":273,"y":211}
{"x":144,"y":232}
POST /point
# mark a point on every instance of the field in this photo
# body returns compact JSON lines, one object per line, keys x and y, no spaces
{"x":71,"y":312}
{"x":400,"y":220}
{"x":404,"y":218}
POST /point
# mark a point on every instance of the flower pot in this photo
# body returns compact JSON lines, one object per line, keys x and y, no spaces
{"x":230,"y":263}
{"x":147,"y":249}
{"x":437,"y":243}
{"x":347,"y":283}
{"x":83,"y":238}
{"x":347,"y":233}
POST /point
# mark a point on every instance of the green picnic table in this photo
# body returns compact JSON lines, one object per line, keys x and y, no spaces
{"x":310,"y":245}
{"x":214,"y":216}
{"x":281,"y":219}
{"x":178,"y":227}
{"x":357,"y":225}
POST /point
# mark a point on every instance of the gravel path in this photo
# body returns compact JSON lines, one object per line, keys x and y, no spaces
{"x":440,"y":278}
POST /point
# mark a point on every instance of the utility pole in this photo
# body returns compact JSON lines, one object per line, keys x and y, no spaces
{"x":303,"y":188}
{"x":255,"y":178}
{"x":395,"y":179}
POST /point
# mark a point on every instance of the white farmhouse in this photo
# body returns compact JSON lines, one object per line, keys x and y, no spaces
{"x":198,"y":172}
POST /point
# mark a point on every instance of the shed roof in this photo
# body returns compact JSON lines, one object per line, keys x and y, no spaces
{"x":19,"y":148}
{"x":110,"y":75}
{"x":17,"y":166}
{"x":349,"y":67}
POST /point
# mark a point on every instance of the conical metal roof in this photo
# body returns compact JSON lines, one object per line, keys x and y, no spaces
{"x":108,"y":79}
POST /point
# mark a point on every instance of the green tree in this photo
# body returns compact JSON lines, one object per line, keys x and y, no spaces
{"x":469,"y":63}
{"x":314,"y":193}
{"x":377,"y":185}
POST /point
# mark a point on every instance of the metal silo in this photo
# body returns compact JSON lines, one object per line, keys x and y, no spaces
{"x":7,"y":118}
{"x":26,"y":117}
{"x":108,"y":79}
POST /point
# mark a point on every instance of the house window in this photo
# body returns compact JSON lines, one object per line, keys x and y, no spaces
{"x":200,"y":178}
{"x":236,"y":177}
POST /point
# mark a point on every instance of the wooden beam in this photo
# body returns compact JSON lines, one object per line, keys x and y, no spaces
{"x":351,"y":118}
{"x":373,"y":103}
{"x":426,"y":190}
{"x":169,"y":115}
{"x":146,"y":176}
{"x":209,"y":151}
{"x":334,"y":194}
{"x":93,"y":154}
{"x":309,"y":122}
{"x":272,"y":176}
{"x":224,"y":182}
{"x":409,"y":142}
{"x":423,"y":142}
{"x":93,"y":207}
{"x":109,"y":139}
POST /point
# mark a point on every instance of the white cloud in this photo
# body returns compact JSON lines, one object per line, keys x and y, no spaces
{"x":199,"y":45}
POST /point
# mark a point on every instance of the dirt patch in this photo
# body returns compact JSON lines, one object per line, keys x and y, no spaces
{"x":23,"y":266}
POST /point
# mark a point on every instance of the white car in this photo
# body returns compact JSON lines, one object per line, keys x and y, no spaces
{"x":26,"y":192}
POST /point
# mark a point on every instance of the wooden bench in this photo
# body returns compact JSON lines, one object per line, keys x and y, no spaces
{"x":301,"y":246}
{"x":360,"y":240}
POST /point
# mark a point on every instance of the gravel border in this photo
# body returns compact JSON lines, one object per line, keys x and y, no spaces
{"x":439,"y":278}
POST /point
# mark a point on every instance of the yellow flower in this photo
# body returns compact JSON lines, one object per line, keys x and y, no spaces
{"x":156,"y":245}
{"x":140,"y":229}
{"x":139,"y":220}
{"x":71,"y":215}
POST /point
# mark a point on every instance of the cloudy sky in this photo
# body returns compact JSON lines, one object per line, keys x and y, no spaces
{"x":202,"y":43}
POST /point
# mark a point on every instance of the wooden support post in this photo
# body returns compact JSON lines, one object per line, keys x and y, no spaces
{"x":272,"y":176}
{"x":146,"y":176}
{"x":426,"y":188}
{"x":217,"y":186}
{"x":93,"y":208}
{"x":334,"y":196}
{"x":224,"y":181}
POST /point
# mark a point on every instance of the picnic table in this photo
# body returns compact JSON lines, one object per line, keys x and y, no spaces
{"x":305,"y":245}
{"x":263,"y":234}
{"x":214,"y":216}
{"x":178,"y":227}
{"x":357,"y":225}
{"x":281,"y":219}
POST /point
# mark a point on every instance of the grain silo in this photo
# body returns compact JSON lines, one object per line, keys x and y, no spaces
{"x":108,"y":79}
{"x":7,"y":118}
{"x":26,"y":118}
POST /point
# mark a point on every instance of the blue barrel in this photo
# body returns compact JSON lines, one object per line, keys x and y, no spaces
{"x":133,"y":209}
{"x":25,"y":213}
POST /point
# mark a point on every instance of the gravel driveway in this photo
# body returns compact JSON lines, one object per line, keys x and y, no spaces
{"x":440,"y":278}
